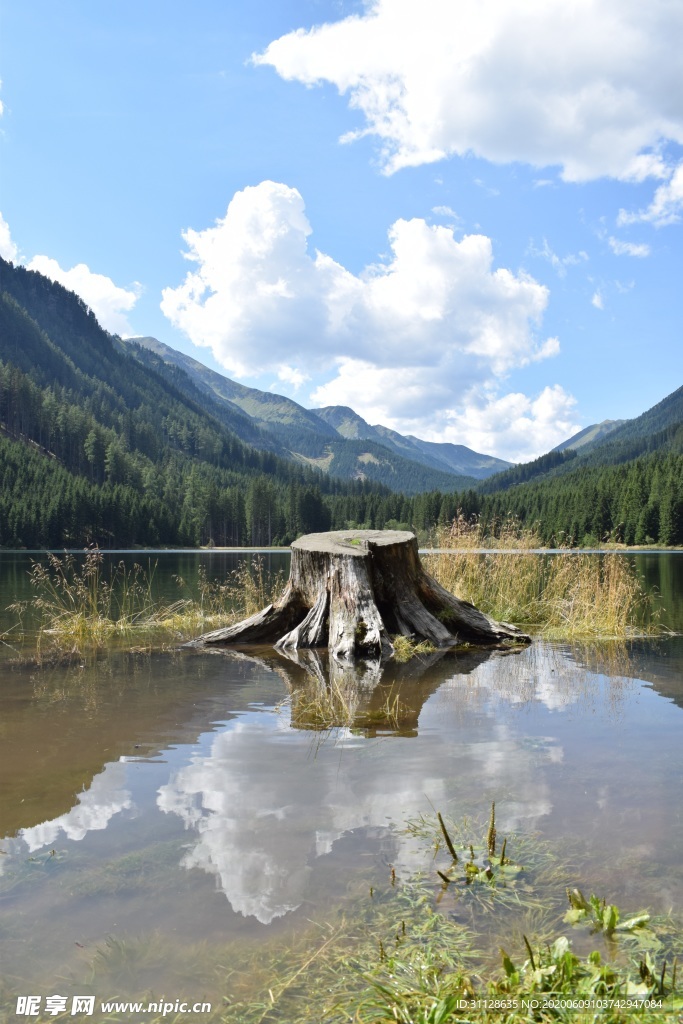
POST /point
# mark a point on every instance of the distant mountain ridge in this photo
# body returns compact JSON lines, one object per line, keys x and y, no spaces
{"x":659,"y":429}
{"x":589,"y":435}
{"x":321,"y":437}
{"x":446,"y":457}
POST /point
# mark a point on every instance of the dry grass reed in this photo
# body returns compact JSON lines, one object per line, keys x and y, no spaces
{"x":564,"y":596}
{"x":79,"y":605}
{"x":567,"y":595}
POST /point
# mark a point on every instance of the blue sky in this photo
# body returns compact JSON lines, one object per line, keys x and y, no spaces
{"x":463,"y":219}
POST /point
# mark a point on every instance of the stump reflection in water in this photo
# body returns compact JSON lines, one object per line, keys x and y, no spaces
{"x":372,"y":697}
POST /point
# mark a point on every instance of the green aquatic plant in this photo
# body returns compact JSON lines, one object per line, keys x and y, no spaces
{"x":393,"y":949}
{"x":476,"y":876}
{"x":602,"y":916}
{"x":491,"y":832}
{"x":406,"y":648}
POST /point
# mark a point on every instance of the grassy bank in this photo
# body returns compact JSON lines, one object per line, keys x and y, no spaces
{"x":559,"y":596}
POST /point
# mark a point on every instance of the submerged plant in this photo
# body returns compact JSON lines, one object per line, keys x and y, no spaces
{"x":427,"y":992}
{"x":476,"y":873}
{"x":602,"y":916}
{"x":394,"y":951}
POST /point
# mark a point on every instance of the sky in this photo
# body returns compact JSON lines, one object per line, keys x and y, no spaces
{"x":462,"y":218}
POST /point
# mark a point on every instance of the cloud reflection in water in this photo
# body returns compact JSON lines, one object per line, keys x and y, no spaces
{"x":262,"y":806}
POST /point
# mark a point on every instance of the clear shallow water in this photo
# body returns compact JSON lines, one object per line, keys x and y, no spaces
{"x":187,"y":810}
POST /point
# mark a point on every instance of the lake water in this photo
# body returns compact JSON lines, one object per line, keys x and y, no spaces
{"x":168,"y":816}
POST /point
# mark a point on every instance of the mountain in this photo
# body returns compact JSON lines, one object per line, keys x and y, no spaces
{"x":658,"y":428}
{"x":99,"y":446}
{"x":103,"y":441}
{"x":296,"y":428}
{"x":300,"y":434}
{"x":448,"y":458}
{"x":625,"y":486}
{"x":595,"y":433}
{"x":462,"y":459}
{"x":317,"y":436}
{"x":367,"y":460}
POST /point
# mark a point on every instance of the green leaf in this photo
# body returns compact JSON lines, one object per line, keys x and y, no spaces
{"x":610,"y":918}
{"x":639,"y":921}
{"x":508,"y":965}
{"x":575,"y":915}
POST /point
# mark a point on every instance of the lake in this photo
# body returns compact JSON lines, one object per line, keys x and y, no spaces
{"x":173,"y":824}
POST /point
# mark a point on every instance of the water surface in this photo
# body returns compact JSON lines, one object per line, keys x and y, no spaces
{"x":180,"y":802}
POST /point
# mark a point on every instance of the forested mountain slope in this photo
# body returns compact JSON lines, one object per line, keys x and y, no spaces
{"x":85,"y":430}
{"x":634,"y":502}
{"x":295,"y":428}
{"x":626,"y":486}
{"x":370,"y":460}
{"x":307,"y":433}
{"x":663,"y":415}
{"x":659,"y":429}
{"x":595,"y":432}
{"x":100,"y":445}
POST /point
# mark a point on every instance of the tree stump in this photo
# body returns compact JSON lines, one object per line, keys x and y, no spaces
{"x":351,"y":590}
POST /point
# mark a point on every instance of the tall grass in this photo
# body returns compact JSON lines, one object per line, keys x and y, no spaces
{"x":565,"y":596}
{"x":80,"y":605}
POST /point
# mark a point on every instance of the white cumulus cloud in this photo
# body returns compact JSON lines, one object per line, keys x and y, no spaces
{"x":109,"y":302}
{"x":511,"y":426}
{"x":8,"y":248}
{"x":291,"y":375}
{"x":592,"y":86}
{"x":409,"y":337}
{"x":515,"y":426}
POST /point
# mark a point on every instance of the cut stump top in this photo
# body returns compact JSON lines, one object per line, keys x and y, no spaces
{"x":352,"y":542}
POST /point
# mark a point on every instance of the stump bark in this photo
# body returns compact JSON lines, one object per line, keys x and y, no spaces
{"x":351,"y":590}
